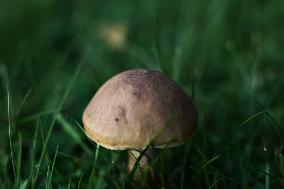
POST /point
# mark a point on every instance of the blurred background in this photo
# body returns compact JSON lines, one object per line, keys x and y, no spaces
{"x":227,"y":55}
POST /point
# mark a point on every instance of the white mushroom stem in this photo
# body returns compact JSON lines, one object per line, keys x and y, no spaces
{"x":144,"y":163}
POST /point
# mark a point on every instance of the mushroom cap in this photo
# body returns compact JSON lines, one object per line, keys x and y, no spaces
{"x":137,"y":108}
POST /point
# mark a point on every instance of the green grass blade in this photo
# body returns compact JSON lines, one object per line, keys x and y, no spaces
{"x":215,"y":182}
{"x":52,"y":168}
{"x":267,"y":170}
{"x":183,"y":167}
{"x":68,"y":89}
{"x":19,"y":160}
{"x":203,"y":167}
{"x":24,"y":101}
{"x":93,"y":172}
{"x":10,"y":136}
{"x":36,"y":116}
{"x":83,"y":131}
{"x":24,"y":185}
{"x":32,"y":155}
{"x":69,"y":184}
{"x":72,"y":132}
{"x":253,"y":116}
{"x":80,"y":180}
{"x":135,"y":167}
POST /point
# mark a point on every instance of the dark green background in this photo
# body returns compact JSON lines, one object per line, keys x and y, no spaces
{"x":227,"y":54}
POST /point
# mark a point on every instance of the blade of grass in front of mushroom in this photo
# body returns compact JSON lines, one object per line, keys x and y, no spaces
{"x":159,"y":156}
{"x":143,"y":153}
{"x":130,"y":176}
{"x":68,"y":89}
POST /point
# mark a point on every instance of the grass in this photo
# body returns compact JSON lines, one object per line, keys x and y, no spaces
{"x":228,"y":55}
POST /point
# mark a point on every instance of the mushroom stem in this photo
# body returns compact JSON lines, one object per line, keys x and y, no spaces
{"x":145,"y":171}
{"x":144,"y":163}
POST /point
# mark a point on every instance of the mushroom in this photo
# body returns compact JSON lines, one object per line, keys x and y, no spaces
{"x":140,"y":109}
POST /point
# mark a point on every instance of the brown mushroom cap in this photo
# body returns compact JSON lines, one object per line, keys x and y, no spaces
{"x":137,"y":107}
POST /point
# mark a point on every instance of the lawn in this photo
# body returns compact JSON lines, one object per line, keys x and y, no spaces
{"x":228,"y":55}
